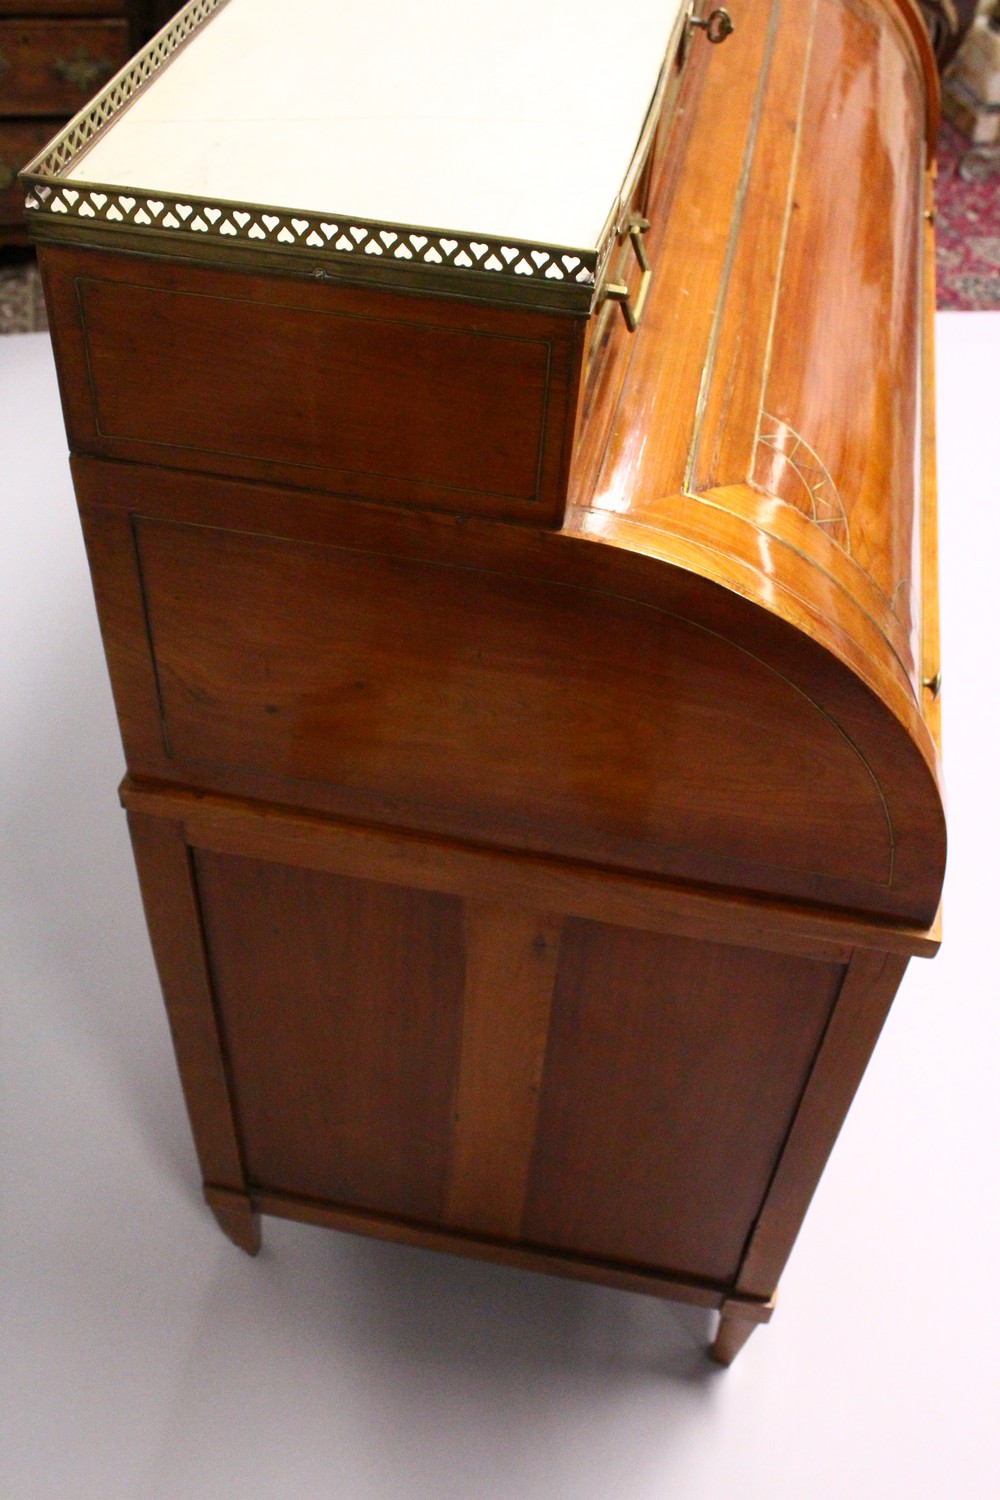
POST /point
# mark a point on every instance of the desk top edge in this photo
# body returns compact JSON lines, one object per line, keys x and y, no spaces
{"x":483,"y":267}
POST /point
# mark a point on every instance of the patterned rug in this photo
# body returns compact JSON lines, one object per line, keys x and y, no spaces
{"x":968,"y":247}
{"x":22,"y":307}
{"x":968,"y":230}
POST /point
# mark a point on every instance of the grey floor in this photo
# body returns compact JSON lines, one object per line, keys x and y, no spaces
{"x":142,"y":1357}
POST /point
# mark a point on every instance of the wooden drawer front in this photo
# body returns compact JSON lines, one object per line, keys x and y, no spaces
{"x":20,"y":140}
{"x":53,"y":67}
{"x":405,"y":400}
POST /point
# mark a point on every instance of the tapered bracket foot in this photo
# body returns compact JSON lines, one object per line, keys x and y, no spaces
{"x":738,"y":1320}
{"x":236,"y":1217}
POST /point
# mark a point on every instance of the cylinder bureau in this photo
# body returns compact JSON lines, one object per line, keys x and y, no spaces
{"x":523,"y":632}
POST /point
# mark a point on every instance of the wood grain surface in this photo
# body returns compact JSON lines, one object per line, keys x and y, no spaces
{"x":340,"y":1002}
{"x":533,"y":779}
{"x":791,"y":391}
{"x":673,"y":1071}
{"x":415,"y":400}
{"x":511,"y":958}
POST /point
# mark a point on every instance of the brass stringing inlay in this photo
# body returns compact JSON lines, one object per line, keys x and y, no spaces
{"x":786,"y":468}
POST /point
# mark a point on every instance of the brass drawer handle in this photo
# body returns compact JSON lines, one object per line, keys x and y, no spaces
{"x":81,"y":71}
{"x":617,"y":291}
{"x":933,"y":685}
{"x":717,"y":25}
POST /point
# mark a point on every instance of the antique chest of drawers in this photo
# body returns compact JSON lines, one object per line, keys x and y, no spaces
{"x":510,"y":505}
{"x":53,"y":54}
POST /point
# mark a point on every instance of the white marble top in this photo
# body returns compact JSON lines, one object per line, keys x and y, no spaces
{"x":516,"y":118}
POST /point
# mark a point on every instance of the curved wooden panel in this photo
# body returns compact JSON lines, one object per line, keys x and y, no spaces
{"x":837,"y":431}
{"x":790,"y":305}
{"x":776,"y":449}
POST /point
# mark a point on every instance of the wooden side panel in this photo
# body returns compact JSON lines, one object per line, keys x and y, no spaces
{"x":498,"y":707}
{"x":413,"y":400}
{"x":682,"y":729}
{"x":340,"y":1002}
{"x":374,"y":1053}
{"x":361,"y":413}
{"x":674,"y":1069}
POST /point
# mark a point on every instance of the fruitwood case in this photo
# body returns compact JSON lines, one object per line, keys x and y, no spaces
{"x":531,"y":725}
